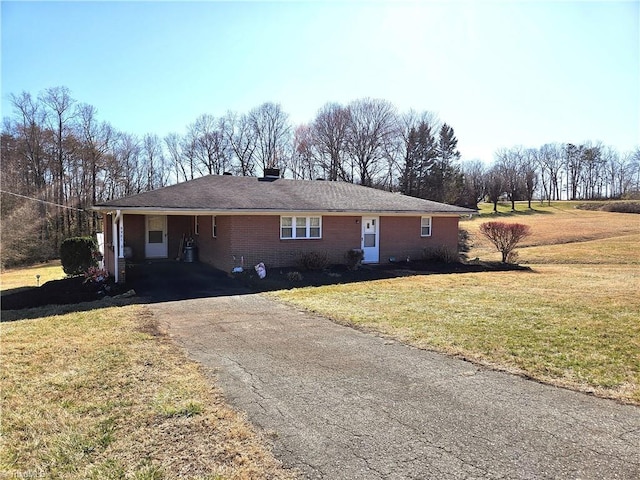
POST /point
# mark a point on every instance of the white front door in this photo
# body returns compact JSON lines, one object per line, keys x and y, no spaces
{"x":155,"y":245}
{"x":370,"y":240}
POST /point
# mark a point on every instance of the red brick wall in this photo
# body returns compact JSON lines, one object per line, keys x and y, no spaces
{"x":257,"y":238}
{"x":400,"y":236}
{"x":177,"y":227}
{"x":134,"y":233}
{"x":215,"y":251}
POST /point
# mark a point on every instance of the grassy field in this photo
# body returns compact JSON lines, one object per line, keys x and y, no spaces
{"x":572,"y":321}
{"x":567,"y":229}
{"x":103,"y":394}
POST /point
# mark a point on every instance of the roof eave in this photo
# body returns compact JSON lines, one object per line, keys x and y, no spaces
{"x":266,"y":211}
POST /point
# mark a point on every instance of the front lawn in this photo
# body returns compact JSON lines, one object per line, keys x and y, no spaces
{"x":103,"y":394}
{"x":572,"y":321}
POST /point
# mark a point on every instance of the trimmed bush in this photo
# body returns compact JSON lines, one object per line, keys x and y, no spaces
{"x":505,"y":236}
{"x":78,"y":254}
{"x":441,"y":253}
{"x":314,"y":261}
{"x":294,"y":276}
{"x":354,"y":258}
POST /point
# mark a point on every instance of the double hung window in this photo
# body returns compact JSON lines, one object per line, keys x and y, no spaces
{"x":300,"y":227}
{"x":425,"y":227}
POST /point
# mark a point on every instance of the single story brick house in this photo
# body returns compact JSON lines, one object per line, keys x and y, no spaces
{"x":272,"y":220}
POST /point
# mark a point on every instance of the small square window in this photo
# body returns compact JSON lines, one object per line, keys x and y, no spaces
{"x":425,"y":227}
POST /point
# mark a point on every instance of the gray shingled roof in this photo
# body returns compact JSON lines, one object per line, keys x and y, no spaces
{"x":250,"y":194}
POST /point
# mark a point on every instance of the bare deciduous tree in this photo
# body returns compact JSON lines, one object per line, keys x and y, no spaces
{"x":210,"y":144}
{"x":173,"y":142}
{"x":475,"y":182}
{"x":505,"y":236}
{"x":372,"y":125}
{"x":303,"y":163}
{"x":550,"y":161}
{"x":96,"y":141}
{"x":242,"y":142}
{"x":329,"y":132}
{"x":495,"y":186}
{"x":270,"y":128}
{"x":154,"y":162}
{"x":60,"y":108}
{"x":509,"y":163}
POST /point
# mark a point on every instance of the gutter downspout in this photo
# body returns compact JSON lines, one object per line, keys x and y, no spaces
{"x":118,"y":239}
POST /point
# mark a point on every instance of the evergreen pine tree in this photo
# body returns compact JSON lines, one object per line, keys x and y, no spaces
{"x":445,"y":182}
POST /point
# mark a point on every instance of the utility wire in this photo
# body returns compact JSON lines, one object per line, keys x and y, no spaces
{"x":43,"y":201}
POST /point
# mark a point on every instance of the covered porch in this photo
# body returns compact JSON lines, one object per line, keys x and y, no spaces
{"x":138,"y":237}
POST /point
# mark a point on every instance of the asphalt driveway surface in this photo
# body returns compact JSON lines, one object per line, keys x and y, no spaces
{"x":338,"y":403}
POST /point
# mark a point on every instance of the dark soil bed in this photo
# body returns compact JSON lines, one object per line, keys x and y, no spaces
{"x":55,"y":292}
{"x":285,"y":278}
{"x":74,"y":290}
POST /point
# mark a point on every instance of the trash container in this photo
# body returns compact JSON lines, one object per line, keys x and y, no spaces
{"x":190,"y":254}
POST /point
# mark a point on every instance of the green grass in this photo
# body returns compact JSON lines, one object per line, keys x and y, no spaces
{"x":102,"y":394}
{"x":573,"y":321}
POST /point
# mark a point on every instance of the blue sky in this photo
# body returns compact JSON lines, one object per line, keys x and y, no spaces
{"x":500,"y":73}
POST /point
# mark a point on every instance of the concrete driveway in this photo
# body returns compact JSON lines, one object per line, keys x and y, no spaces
{"x":338,"y":403}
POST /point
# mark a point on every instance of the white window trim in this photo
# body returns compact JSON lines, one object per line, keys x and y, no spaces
{"x":214,"y":227}
{"x":422,"y":225}
{"x":196,"y":225}
{"x":307,"y":227}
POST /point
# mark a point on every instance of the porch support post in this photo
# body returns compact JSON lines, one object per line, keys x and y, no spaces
{"x":122,"y":263}
{"x":118,"y":247}
{"x":120,"y":235}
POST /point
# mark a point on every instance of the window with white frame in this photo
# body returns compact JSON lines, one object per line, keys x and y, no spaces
{"x":425,"y":227}
{"x":196,"y":225}
{"x":214,"y":227}
{"x":300,"y":227}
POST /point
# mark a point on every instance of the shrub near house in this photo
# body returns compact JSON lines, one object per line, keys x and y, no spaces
{"x":78,"y":254}
{"x":505,"y":236}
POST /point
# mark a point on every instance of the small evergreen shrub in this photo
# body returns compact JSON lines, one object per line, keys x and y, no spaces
{"x":78,"y":254}
{"x":354,"y":258}
{"x":314,"y":261}
{"x":294,"y":276}
{"x":464,"y":241}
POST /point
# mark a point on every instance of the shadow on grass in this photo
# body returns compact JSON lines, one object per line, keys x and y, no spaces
{"x":167,"y":281}
{"x":515,"y":213}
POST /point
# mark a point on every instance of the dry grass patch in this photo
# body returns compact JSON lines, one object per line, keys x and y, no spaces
{"x":103,"y":394}
{"x":574,"y":326}
{"x":557,"y":224}
{"x":26,"y":277}
{"x":606,"y":251}
{"x":572,"y":322}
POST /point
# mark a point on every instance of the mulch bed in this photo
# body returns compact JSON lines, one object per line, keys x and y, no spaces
{"x":75,"y":290}
{"x":285,"y":278}
{"x":56,"y":292}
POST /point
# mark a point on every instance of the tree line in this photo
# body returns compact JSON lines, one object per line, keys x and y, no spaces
{"x":554,"y":171}
{"x":59,"y":158}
